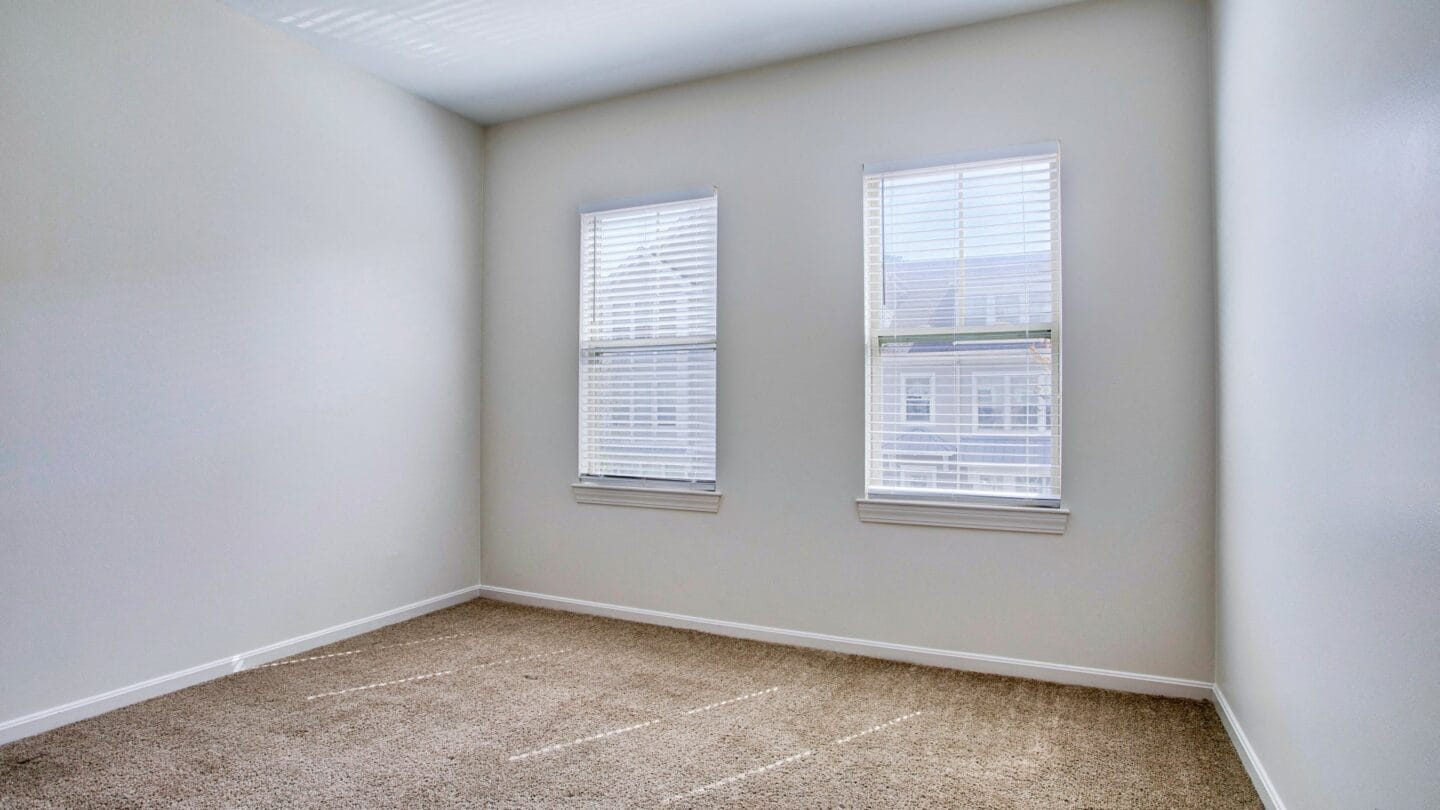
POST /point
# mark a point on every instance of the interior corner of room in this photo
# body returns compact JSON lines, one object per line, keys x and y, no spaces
{"x":649,"y":404}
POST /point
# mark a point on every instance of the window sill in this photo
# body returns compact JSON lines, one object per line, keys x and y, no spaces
{"x":688,"y":500}
{"x":1037,"y":519}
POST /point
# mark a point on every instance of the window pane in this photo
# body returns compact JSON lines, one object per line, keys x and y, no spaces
{"x":987,"y":428}
{"x":968,"y":247}
{"x":651,"y":273}
{"x":650,"y":414}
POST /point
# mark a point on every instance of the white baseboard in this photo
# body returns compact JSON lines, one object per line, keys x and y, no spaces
{"x":46,"y":719}
{"x":974,"y":662}
{"x":1248,"y":757}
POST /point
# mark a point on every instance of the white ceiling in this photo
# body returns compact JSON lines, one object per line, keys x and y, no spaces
{"x":495,"y":60}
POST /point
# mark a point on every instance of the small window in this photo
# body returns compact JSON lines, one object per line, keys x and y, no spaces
{"x":648,"y":343}
{"x":962,"y":302}
{"x":919,"y":397}
{"x":1011,"y":403}
{"x":915,"y":476}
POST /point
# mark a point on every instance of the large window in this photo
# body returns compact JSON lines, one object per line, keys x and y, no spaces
{"x":647,"y":343}
{"x":962,"y":292}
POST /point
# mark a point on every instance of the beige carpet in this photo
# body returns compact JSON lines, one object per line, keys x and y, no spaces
{"x":488,"y":704}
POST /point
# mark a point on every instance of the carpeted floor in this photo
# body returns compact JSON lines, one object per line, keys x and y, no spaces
{"x":489,"y":704}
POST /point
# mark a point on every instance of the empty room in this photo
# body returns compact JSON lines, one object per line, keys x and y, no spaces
{"x":683,"y":403}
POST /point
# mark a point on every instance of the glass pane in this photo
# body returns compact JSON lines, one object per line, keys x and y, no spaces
{"x":988,"y":428}
{"x":649,"y":414}
{"x":649,"y":273}
{"x":967,"y":247}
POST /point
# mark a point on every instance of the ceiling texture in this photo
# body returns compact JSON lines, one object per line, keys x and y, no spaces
{"x":497,"y":60}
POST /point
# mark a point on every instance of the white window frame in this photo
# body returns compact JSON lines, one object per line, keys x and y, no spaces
{"x":655,"y":493}
{"x":970,"y":510}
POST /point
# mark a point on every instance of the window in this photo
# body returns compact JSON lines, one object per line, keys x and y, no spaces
{"x":647,"y":343}
{"x":919,"y":397}
{"x":962,"y":268}
{"x":915,"y":475}
{"x":1011,"y":403}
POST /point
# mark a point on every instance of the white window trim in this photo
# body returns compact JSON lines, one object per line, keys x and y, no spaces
{"x":965,"y":515}
{"x":686,"y":500}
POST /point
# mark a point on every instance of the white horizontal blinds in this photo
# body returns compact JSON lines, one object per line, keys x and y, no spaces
{"x":962,"y":266}
{"x":647,"y":342}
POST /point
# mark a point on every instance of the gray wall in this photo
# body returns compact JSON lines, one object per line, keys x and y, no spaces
{"x":1328,"y":136}
{"x":1125,"y":87}
{"x":238,"y":344}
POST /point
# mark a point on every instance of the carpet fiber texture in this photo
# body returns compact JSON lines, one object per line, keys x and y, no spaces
{"x":495,"y":705}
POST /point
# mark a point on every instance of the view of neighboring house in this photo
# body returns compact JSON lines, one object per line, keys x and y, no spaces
{"x":969,"y":402}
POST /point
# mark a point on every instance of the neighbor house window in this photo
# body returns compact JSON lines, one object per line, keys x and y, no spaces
{"x":1011,"y":403}
{"x":647,"y":343}
{"x":962,"y":267}
{"x":919,"y":397}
